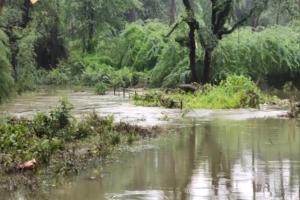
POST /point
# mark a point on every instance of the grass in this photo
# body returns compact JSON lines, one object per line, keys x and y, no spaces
{"x":234,"y":92}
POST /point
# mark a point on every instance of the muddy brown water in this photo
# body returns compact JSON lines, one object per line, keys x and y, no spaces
{"x":208,"y":154}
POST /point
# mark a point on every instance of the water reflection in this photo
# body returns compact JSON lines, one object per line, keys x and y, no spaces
{"x":254,"y":159}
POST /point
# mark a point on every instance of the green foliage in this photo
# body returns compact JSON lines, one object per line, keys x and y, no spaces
{"x":102,"y":15}
{"x":173,"y":60}
{"x":49,"y":134}
{"x":6,"y":81}
{"x":101,"y":89}
{"x":140,"y":45}
{"x":259,"y":55}
{"x":58,"y":76}
{"x":26,"y":65}
{"x":234,"y":92}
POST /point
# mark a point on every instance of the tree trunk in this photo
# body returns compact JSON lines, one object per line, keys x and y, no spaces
{"x":91,"y":31}
{"x":172,"y":11}
{"x":90,"y":42}
{"x":14,"y":52}
{"x":132,"y":16}
{"x":192,"y":56}
{"x":1,"y":4}
{"x":277,"y":18}
{"x":25,"y":15}
{"x":193,"y":25}
{"x":207,"y":66}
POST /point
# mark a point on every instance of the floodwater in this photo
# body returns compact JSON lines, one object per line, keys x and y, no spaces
{"x":233,"y":154}
{"x":253,"y":159}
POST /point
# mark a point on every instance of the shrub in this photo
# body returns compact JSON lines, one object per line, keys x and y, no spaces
{"x":101,"y":89}
{"x":58,"y":76}
{"x":96,"y":73}
{"x":234,"y":92}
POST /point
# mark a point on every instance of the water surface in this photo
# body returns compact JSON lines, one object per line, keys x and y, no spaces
{"x":220,"y":159}
{"x":207,"y":154}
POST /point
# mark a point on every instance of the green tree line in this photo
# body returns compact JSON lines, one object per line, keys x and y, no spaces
{"x":166,"y":42}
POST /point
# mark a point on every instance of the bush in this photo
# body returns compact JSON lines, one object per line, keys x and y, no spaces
{"x":96,"y":73}
{"x":58,"y":76}
{"x":234,"y":92}
{"x":101,"y":89}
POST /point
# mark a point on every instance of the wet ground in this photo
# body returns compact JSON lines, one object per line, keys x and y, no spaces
{"x":206,"y":154}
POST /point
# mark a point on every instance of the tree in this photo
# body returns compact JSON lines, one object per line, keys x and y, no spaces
{"x":89,"y":16}
{"x":193,"y":26}
{"x":212,"y":31}
{"x":50,"y":45}
{"x":284,"y":10}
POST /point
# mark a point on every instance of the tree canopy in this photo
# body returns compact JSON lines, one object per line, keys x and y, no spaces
{"x":40,"y":37}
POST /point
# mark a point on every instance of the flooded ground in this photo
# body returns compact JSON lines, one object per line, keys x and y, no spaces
{"x":208,"y":154}
{"x":253,"y":159}
{"x":121,"y":108}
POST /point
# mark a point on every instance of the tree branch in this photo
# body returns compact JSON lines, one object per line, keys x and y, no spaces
{"x":238,"y":24}
{"x":173,"y":29}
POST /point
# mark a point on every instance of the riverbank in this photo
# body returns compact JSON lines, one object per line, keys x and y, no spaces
{"x":57,"y":144}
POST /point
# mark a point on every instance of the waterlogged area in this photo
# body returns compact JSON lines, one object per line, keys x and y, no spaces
{"x":207,"y":154}
{"x":221,"y":159}
{"x":121,"y":108}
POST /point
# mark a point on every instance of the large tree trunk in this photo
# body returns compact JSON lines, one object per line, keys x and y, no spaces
{"x":192,"y":46}
{"x":207,"y":66}
{"x":193,"y":25}
{"x":172,"y":11}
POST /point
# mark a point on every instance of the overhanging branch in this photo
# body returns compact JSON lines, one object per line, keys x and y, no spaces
{"x":174,"y":28}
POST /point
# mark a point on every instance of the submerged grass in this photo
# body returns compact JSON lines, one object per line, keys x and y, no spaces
{"x":234,"y":92}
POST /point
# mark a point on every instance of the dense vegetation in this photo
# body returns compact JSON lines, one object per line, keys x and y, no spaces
{"x":49,"y":136}
{"x":234,"y":92}
{"x":107,"y":44}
